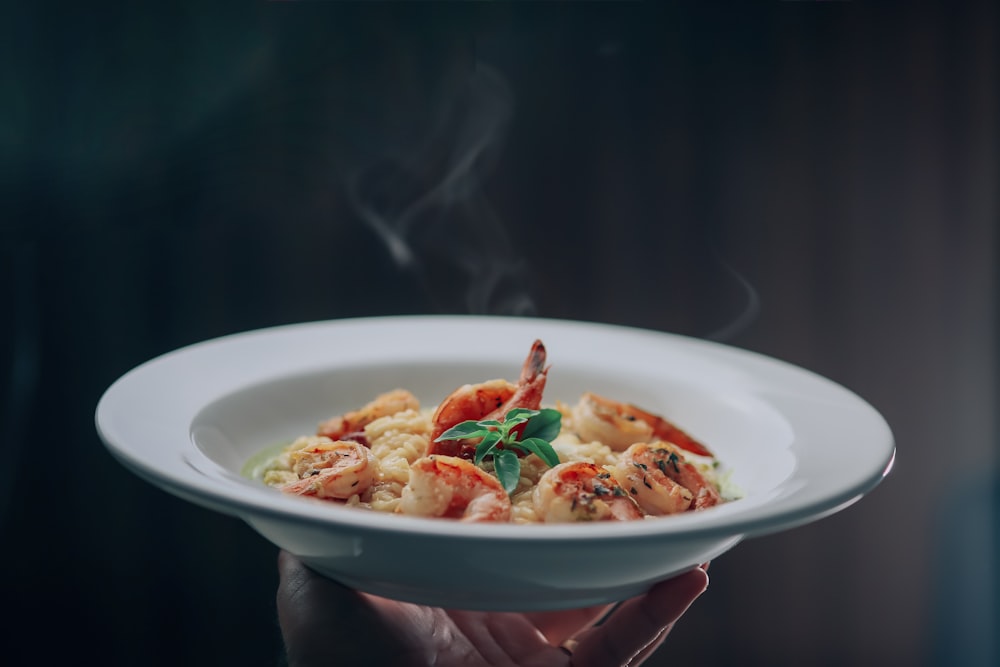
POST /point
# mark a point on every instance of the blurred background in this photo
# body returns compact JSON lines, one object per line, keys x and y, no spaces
{"x":815,"y":181}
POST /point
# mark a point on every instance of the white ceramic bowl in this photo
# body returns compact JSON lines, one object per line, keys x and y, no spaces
{"x":799,"y":446}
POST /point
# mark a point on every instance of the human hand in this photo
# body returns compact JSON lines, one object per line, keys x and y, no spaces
{"x":324,"y":623}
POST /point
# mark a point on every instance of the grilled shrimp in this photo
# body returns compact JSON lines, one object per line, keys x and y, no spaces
{"x":619,"y":425}
{"x":350,"y":426}
{"x":581,"y":491}
{"x":454,"y":488}
{"x":662,"y":481}
{"x":642,"y":472}
{"x":488,"y":400}
{"x":329,"y":469}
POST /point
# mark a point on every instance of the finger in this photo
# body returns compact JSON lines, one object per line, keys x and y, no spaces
{"x":300,"y":592}
{"x":323,"y":622}
{"x":304,"y":596}
{"x":308,"y":608}
{"x":640,"y":622}
{"x":644,"y":655}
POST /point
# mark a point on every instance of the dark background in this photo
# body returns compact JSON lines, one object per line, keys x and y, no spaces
{"x":814,"y":181}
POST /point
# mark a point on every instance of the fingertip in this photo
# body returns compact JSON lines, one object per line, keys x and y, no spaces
{"x":638,"y":625}
{"x":698,"y":580}
{"x":674,"y":596}
{"x":701,"y":574}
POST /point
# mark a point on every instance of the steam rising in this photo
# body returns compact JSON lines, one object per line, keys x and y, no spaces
{"x":425,"y":202}
{"x":427,"y":205}
{"x":745,"y":318}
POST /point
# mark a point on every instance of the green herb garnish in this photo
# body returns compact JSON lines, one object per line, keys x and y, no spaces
{"x":501,"y":440}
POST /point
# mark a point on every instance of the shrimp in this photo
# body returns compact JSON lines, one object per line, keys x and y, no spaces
{"x":582,"y":491}
{"x":351,"y":426}
{"x":329,"y":469}
{"x":454,"y":488}
{"x":488,"y":400}
{"x":662,"y":481}
{"x":642,"y":471}
{"x":619,"y":425}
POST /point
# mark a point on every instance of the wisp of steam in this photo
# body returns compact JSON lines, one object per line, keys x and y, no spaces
{"x":746,"y":316}
{"x":426,"y":203}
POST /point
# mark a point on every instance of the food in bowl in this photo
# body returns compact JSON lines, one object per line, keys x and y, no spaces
{"x":491,"y":452}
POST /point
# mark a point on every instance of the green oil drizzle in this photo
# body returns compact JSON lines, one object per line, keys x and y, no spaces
{"x":257,"y":464}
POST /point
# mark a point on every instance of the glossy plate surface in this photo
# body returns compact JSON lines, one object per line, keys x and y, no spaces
{"x":799,"y":446}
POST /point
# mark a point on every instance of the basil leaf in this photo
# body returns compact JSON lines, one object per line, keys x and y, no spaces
{"x":508,"y":469}
{"x":541,"y":449}
{"x":545,"y":425}
{"x":519,"y":415}
{"x":467,"y":429}
{"x":486,"y":446}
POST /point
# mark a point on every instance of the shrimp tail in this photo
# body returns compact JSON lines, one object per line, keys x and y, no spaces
{"x":530,"y":386}
{"x":534,"y":365}
{"x":670,"y":432}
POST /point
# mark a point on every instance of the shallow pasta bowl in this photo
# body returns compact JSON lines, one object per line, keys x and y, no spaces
{"x":798,"y":446}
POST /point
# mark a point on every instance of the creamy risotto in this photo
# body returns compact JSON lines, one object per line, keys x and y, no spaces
{"x":492,"y":452}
